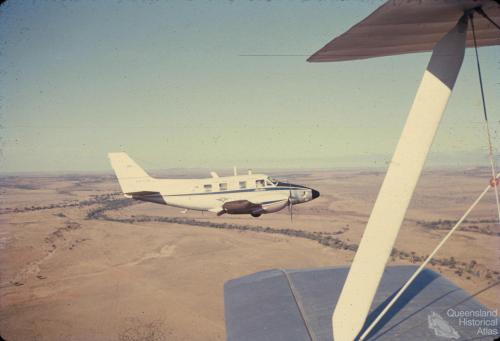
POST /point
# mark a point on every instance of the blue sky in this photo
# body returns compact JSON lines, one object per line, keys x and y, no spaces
{"x":166,"y":82}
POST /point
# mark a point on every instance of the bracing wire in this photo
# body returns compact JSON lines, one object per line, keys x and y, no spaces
{"x":480,"y":11}
{"x":487,"y":125}
{"x":367,"y":331}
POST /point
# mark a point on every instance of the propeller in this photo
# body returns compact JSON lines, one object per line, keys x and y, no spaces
{"x":290,"y":204}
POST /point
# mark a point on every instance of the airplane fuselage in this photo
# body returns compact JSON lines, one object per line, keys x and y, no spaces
{"x":210,"y":194}
{"x":253,"y":194}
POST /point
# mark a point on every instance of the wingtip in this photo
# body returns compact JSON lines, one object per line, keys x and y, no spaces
{"x":312,"y":58}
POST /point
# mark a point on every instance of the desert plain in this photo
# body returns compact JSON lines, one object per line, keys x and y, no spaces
{"x":78,"y":261}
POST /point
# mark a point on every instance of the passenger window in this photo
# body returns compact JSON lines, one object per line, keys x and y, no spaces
{"x":259,"y":183}
{"x":243,"y":184}
{"x":207,"y":188}
{"x":223,"y":186}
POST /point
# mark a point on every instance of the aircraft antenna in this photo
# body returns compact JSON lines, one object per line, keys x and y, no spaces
{"x":485,"y":112}
{"x":427,"y":260}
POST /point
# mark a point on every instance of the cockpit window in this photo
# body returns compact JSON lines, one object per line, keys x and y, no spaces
{"x":259,"y":183}
{"x":273,"y":181}
{"x":207,"y":188}
{"x":243,"y":184}
{"x":270,"y":182}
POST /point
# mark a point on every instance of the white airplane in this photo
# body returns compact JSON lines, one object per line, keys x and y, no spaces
{"x":253,"y":194}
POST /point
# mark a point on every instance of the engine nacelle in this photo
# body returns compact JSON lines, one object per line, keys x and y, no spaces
{"x":246,"y":207}
{"x":240,"y":207}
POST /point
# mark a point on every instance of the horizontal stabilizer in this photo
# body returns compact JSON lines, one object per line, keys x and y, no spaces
{"x":142,"y":193}
{"x":150,"y":196}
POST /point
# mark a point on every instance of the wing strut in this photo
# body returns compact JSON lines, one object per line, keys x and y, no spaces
{"x":397,"y":189}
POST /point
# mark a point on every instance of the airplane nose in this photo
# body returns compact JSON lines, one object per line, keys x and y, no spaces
{"x":315,"y":194}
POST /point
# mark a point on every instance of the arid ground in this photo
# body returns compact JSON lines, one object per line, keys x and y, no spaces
{"x":80,"y":262}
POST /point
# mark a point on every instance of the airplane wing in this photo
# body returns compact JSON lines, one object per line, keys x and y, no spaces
{"x":399,"y":27}
{"x":291,"y":305}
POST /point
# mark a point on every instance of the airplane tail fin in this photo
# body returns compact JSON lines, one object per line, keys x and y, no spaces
{"x":131,"y":176}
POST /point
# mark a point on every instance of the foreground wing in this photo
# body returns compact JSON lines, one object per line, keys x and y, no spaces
{"x":296,"y":305}
{"x":399,"y":27}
